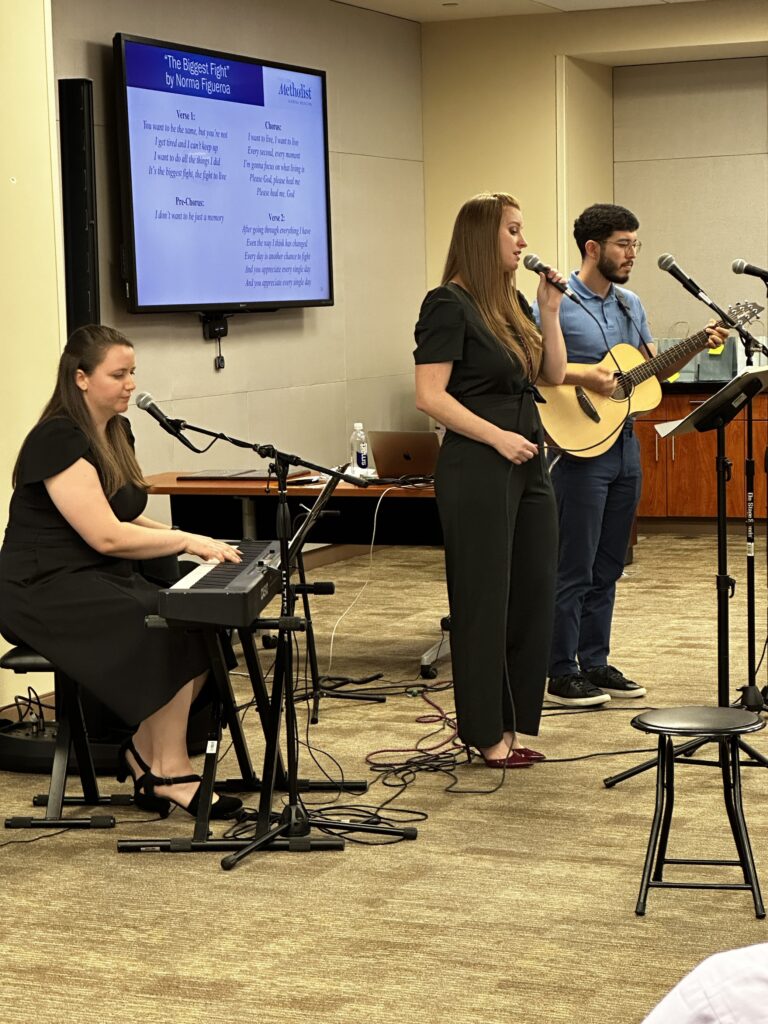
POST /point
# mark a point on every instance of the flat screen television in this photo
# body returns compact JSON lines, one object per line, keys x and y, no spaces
{"x":224,"y":180}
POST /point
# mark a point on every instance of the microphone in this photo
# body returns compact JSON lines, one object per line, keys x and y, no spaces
{"x":532,"y":262}
{"x":741,"y":267}
{"x":667,"y":262}
{"x":146,"y":402}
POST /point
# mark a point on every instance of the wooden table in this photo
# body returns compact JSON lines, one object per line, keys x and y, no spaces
{"x":241,"y":507}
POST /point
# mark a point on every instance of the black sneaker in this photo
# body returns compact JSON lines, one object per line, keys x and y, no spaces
{"x":575,"y":690}
{"x":611,"y":681}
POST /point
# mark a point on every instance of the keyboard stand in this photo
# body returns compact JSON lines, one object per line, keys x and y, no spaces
{"x":224,"y":710}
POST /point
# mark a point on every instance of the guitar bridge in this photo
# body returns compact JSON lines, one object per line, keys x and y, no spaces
{"x":586,"y":404}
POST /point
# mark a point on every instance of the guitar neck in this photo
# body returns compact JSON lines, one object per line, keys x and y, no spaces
{"x":687,"y":348}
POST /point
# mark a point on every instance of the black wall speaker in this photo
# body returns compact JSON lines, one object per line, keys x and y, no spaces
{"x":78,"y":181}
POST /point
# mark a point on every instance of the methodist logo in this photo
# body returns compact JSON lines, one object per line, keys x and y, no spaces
{"x":299,"y":92}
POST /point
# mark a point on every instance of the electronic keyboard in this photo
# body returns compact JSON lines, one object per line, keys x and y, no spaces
{"x":226,"y":593}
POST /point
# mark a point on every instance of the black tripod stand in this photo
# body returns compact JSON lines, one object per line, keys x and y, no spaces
{"x":715,"y":414}
{"x":291,"y":829}
{"x":751,"y":697}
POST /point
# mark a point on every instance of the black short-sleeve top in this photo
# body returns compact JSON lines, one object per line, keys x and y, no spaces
{"x":50,"y":448}
{"x":451,"y":330}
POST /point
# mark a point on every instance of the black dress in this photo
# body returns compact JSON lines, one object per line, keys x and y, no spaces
{"x":499,"y":524}
{"x":82,"y":610}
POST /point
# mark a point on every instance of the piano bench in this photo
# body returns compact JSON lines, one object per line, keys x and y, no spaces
{"x":71,"y":737}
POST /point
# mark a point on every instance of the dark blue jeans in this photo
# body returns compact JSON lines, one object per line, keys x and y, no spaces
{"x":596,"y":501}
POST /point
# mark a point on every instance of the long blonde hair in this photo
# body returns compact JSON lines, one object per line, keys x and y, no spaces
{"x":474,"y":257}
{"x":86,"y":349}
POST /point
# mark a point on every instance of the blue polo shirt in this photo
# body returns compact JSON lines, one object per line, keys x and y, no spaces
{"x":584,"y":340}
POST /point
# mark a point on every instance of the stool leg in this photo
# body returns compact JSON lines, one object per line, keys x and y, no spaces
{"x":58,"y":783}
{"x":728,"y":761}
{"x":734,"y":797}
{"x":655,"y":826}
{"x":669,"y":804}
{"x":79,"y":740}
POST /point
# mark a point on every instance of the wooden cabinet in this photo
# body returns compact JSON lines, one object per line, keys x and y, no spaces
{"x":653,"y":500}
{"x":679,"y":474}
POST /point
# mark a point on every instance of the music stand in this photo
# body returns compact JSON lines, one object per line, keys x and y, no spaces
{"x":715,"y":414}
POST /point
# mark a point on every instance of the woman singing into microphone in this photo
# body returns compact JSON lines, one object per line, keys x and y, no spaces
{"x":478,"y":356}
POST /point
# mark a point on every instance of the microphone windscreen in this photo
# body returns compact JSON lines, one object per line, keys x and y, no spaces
{"x":144,"y":399}
{"x":532,"y":262}
{"x":738,"y":266}
{"x":666,"y":260}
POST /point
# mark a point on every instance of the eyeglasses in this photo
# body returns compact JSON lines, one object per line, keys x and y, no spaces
{"x":625,"y":245}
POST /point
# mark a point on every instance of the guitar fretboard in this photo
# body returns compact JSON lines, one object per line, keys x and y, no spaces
{"x":665,"y":360}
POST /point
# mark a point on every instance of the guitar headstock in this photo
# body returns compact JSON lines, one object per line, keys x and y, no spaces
{"x":744,"y":313}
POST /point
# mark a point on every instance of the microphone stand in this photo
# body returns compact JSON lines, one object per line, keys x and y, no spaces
{"x":266,"y":451}
{"x":761,"y":348}
{"x":751,"y":697}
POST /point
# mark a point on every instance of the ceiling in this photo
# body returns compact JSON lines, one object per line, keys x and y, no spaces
{"x":458,"y":10}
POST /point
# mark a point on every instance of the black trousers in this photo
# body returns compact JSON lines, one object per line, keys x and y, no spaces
{"x":499,"y":523}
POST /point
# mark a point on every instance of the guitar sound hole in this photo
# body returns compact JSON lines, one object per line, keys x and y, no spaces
{"x":623,"y":390}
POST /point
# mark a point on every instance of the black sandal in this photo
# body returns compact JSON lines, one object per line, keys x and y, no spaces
{"x":224,"y":807}
{"x":143,"y":791}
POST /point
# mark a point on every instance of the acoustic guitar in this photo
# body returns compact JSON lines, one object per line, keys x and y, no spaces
{"x":585,"y":424}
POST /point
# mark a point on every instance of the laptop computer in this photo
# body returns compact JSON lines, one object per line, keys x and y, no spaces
{"x":397,"y":453}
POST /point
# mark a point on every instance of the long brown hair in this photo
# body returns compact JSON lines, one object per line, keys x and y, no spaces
{"x":473,"y":256}
{"x":115,"y":459}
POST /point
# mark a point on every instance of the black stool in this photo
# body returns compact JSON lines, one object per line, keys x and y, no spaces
{"x":712,"y":724}
{"x":71,"y":735}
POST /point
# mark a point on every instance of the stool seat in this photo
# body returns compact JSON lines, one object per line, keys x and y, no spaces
{"x":24,"y":659}
{"x":698,"y":721}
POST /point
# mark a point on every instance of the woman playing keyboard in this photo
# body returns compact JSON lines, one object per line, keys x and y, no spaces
{"x":68,"y":586}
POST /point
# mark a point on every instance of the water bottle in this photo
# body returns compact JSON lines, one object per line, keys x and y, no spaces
{"x":358,"y":451}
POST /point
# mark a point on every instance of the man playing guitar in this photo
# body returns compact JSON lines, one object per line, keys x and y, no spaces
{"x":597,"y":496}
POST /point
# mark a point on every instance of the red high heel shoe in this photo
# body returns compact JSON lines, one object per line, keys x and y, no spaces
{"x":532,"y":755}
{"x":514,"y":759}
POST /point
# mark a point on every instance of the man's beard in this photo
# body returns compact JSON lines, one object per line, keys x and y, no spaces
{"x":611,"y":271}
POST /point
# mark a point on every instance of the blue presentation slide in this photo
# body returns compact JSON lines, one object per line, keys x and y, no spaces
{"x":228,"y":180}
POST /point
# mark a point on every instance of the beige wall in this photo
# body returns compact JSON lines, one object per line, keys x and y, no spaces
{"x":584,"y":142}
{"x":495,"y":108}
{"x":294,"y":378}
{"x":691,"y":160}
{"x":30,"y":279}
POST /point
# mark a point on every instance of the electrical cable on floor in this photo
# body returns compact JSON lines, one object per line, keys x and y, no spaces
{"x":36,"y":839}
{"x":368,"y":580}
{"x":558,"y":709}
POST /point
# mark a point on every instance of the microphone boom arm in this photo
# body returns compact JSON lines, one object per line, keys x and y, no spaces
{"x":268,"y":451}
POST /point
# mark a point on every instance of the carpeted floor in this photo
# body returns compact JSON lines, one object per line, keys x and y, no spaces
{"x":514,"y":904}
